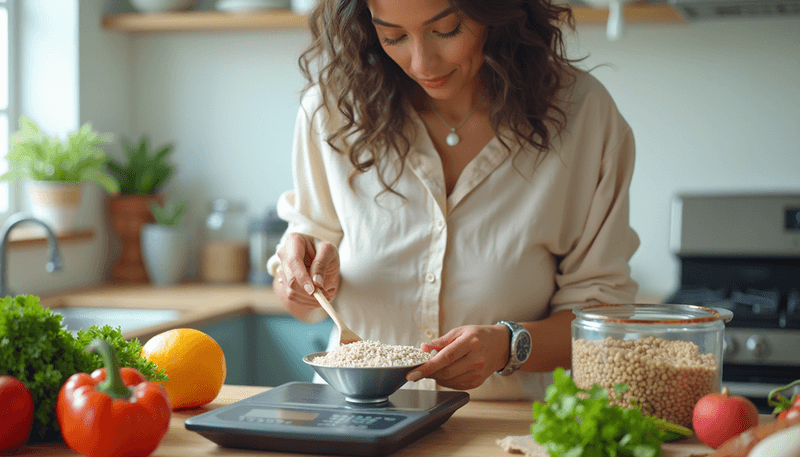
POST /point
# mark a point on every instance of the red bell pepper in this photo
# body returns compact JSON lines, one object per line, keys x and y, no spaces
{"x":784,"y":407}
{"x":16,"y":414}
{"x":114,"y":412}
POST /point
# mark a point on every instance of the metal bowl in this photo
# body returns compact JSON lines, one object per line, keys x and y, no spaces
{"x":367,"y":385}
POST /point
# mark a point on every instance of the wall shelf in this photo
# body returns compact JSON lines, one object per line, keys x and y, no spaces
{"x":282,"y":19}
{"x":31,"y":235}
{"x":202,"y":21}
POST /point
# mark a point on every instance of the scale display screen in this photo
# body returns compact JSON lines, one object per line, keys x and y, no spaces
{"x":288,"y":417}
{"x":314,"y":418}
{"x":285,"y":414}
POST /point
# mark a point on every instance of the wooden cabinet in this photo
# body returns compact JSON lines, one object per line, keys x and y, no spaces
{"x":280,"y":19}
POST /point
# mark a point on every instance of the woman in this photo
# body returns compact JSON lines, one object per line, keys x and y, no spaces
{"x":454,"y":170}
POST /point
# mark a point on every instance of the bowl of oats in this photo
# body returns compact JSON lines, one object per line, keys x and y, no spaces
{"x":366,"y":372}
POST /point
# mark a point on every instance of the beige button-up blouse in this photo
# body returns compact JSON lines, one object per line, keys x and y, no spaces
{"x":519,"y":238}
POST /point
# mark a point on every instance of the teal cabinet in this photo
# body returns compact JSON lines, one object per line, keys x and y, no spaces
{"x":235,"y":336}
{"x":281,"y":343}
{"x":267,"y":350}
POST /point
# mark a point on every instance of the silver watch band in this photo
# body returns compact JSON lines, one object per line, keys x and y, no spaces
{"x":517,"y":331}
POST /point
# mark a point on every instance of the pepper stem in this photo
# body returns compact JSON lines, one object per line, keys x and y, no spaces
{"x":113,"y":385}
{"x":779,"y":400}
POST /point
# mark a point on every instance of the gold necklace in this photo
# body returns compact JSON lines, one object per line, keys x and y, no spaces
{"x":452,"y":138}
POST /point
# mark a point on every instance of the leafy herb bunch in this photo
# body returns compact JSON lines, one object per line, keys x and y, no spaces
{"x":36,"y":349}
{"x":576,"y":422}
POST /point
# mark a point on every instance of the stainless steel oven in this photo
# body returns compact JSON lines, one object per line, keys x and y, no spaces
{"x":742,"y":252}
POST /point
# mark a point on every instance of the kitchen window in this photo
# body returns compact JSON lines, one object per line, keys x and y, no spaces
{"x":7,"y":97}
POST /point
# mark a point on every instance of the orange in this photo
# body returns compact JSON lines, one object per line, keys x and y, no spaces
{"x":194,"y":362}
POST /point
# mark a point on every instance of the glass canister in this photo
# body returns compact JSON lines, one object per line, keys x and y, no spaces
{"x":225,"y":245}
{"x":668,"y":355}
{"x":265,"y":235}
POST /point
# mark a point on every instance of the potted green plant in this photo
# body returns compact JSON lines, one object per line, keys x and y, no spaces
{"x":165,"y":243}
{"x":140,"y":177}
{"x":55,"y":171}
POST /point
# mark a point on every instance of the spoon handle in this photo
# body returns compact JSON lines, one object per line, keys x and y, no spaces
{"x":346,"y":335}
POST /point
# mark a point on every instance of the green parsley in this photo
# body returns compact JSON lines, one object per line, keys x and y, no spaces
{"x":36,"y":349}
{"x":574,"y":422}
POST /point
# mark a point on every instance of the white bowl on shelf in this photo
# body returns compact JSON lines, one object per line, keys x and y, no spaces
{"x":160,"y":6}
{"x":246,"y":6}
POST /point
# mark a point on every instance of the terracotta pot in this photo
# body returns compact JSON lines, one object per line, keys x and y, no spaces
{"x":128,"y":214}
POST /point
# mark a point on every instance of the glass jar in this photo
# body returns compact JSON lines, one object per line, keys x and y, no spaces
{"x":225,"y":245}
{"x":265,"y":235}
{"x":668,"y":355}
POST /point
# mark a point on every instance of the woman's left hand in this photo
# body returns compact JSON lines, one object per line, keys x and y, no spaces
{"x":465,"y":357}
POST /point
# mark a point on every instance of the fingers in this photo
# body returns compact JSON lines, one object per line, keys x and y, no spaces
{"x":298,"y":251}
{"x":324,"y":268}
{"x":466,"y":357}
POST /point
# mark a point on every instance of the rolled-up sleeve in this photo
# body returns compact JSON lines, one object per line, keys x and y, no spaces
{"x":596,"y":270}
{"x":308,"y":208}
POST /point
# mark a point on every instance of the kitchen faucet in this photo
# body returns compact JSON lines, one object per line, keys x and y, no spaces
{"x":53,"y":265}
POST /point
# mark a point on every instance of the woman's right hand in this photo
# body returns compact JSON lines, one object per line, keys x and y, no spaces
{"x":305,"y":265}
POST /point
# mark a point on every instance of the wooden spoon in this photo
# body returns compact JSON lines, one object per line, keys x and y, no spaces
{"x":346,"y":336}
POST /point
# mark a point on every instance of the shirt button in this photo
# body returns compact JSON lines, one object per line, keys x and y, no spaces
{"x":440,"y":223}
{"x":429,"y":334}
{"x":430,"y":277}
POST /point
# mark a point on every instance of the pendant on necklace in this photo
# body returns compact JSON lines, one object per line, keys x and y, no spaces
{"x":452,"y":138}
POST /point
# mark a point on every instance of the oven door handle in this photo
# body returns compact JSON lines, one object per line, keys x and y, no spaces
{"x":757,"y":390}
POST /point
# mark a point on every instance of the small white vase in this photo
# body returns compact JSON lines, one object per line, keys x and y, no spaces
{"x":165,"y":251}
{"x":58,"y":204}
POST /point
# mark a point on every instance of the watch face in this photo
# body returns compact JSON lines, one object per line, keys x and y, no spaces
{"x":523,"y":347}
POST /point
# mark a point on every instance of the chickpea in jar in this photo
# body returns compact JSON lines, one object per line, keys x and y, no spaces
{"x":666,"y":378}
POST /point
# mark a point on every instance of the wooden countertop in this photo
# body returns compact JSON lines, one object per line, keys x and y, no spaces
{"x":198,"y":303}
{"x":473,"y":430}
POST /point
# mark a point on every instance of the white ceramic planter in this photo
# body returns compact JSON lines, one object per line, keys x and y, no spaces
{"x":57,"y":204}
{"x":165,"y":251}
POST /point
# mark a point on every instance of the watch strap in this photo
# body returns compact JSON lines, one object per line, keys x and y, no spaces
{"x":513,"y":362}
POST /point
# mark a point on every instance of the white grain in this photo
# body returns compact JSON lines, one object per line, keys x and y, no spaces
{"x":372,"y":354}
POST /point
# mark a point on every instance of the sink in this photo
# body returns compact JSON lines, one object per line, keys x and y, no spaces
{"x":80,"y":318}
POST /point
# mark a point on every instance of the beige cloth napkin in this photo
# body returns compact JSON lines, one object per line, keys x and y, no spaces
{"x":525,"y":445}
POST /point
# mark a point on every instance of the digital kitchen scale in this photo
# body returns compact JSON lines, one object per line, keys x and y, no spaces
{"x":315,"y":419}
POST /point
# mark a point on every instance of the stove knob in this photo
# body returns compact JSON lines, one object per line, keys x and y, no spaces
{"x":728,"y":346}
{"x":757,"y":346}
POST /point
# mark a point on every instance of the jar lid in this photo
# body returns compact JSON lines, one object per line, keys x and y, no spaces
{"x":222,"y":205}
{"x":658,"y":314}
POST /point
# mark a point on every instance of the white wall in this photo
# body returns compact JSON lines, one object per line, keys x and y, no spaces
{"x":228,"y":101}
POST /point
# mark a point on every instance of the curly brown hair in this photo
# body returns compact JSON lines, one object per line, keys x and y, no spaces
{"x":525,"y":67}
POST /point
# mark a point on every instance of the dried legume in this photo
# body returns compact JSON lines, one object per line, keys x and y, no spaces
{"x":665,"y":377}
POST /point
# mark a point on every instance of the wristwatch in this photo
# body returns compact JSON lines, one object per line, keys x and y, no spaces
{"x":519,"y":349}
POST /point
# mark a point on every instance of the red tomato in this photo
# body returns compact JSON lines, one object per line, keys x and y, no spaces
{"x":16,"y":414}
{"x":719,"y":417}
